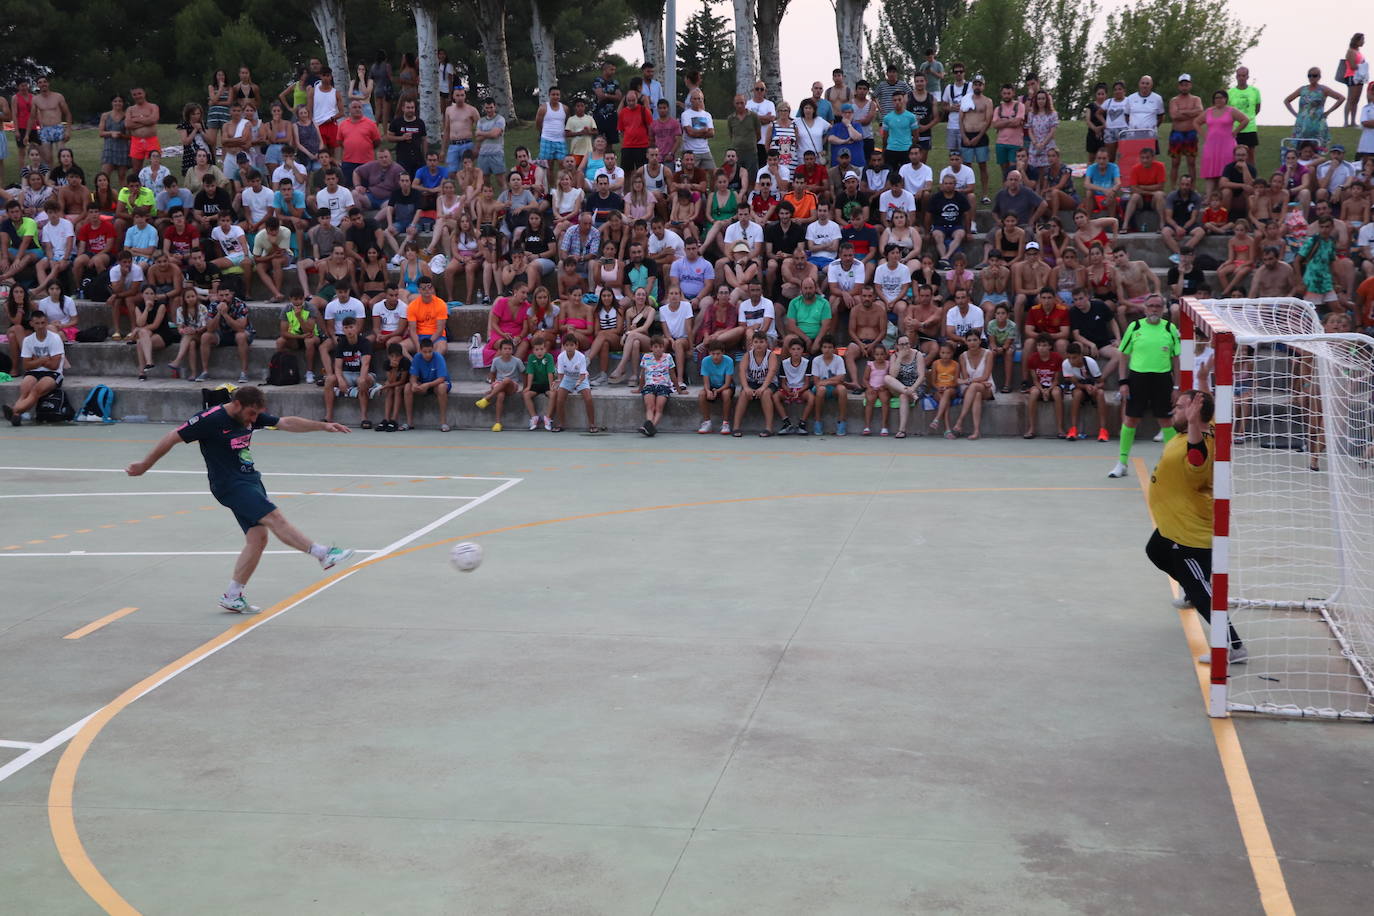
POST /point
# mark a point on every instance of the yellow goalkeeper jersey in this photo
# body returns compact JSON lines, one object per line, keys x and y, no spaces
{"x":1181,"y":493}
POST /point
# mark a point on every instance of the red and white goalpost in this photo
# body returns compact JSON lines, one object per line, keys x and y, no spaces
{"x":1293,"y":516}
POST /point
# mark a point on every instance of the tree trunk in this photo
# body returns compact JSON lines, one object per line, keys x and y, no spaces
{"x":542,"y":40}
{"x":849,"y":30}
{"x":769,"y":20}
{"x":651,"y":38}
{"x":328,"y":17}
{"x":490,"y":21}
{"x":427,"y":47}
{"x":744,"y":46}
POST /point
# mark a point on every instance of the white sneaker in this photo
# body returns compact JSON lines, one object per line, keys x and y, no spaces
{"x":1235,"y":657}
{"x":1181,"y":603}
{"x":705,"y":427}
{"x":1118,"y":471}
{"x":335,"y":557}
{"x":534,"y":423}
{"x":353,"y":391}
{"x":237,"y":605}
{"x":309,"y":378}
{"x":548,"y":424}
{"x":1159,"y":436}
{"x":374,"y":390}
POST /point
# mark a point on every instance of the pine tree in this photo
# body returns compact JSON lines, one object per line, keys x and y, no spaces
{"x":707,"y":44}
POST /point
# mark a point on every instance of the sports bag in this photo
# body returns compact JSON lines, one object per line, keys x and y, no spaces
{"x":283,"y":369}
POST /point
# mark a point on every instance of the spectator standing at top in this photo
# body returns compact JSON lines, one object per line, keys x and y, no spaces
{"x":460,"y":122}
{"x":54,"y":120}
{"x":933,"y":71}
{"x":951,"y":103}
{"x":1144,"y":109}
{"x":764,"y":109}
{"x":491,"y":154}
{"x":607,"y":95}
{"x":697,"y":130}
{"x":1185,"y":111}
{"x":1354,"y":74}
{"x":1310,"y":116}
{"x":651,"y":88}
{"x":140,"y":123}
{"x":1246,"y":99}
{"x":889,"y":88}
{"x":326,"y":108}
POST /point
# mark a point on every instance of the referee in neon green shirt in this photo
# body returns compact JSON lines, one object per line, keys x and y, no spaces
{"x":1151,"y":348}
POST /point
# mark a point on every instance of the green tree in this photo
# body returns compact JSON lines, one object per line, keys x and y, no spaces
{"x":1015,"y":28}
{"x":707,"y":44}
{"x":904,"y":32}
{"x":1163,"y":38}
{"x":1067,"y":24}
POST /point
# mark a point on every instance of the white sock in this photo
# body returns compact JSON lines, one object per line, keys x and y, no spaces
{"x":319,"y":551}
{"x":235,"y":590}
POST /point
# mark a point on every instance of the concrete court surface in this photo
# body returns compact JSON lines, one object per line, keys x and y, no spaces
{"x":873,"y":677}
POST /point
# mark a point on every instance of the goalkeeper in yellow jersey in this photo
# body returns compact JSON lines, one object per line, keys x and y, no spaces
{"x":1181,"y":503}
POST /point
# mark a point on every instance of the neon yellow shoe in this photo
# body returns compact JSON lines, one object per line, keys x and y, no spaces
{"x":496,"y":427}
{"x":482,"y":404}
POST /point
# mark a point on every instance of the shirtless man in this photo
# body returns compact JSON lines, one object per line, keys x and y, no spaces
{"x":1273,"y":278}
{"x":1185,"y":111}
{"x":75,"y":198}
{"x":924,"y":321}
{"x":140,"y":122}
{"x":993,"y":279}
{"x":54,"y":120}
{"x":867,"y":327}
{"x":460,"y":122}
{"x":974,"y":121}
{"x":1135,"y":282}
{"x":1028,"y":277}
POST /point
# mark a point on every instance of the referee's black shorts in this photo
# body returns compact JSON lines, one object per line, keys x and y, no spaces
{"x":1151,"y":392}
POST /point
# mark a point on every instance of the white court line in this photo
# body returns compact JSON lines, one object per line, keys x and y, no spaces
{"x":203,"y":493}
{"x":23,"y":745}
{"x":159,"y":553}
{"x":274,"y":474}
{"x":57,"y":740}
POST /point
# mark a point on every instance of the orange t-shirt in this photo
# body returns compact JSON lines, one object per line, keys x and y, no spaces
{"x":803,"y":204}
{"x":426,"y":315}
{"x":1365,"y":293}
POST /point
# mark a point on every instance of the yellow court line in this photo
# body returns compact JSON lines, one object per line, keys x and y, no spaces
{"x":97,"y":624}
{"x":62,"y":788}
{"x":1259,"y":846}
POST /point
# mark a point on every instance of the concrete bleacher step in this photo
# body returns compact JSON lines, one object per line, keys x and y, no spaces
{"x":164,"y":400}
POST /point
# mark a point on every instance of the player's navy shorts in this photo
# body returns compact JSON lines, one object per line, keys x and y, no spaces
{"x":248,"y":501}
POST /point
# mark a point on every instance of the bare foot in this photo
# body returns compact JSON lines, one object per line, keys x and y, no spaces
{"x":975,"y":435}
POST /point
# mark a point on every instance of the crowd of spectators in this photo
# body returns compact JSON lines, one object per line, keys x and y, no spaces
{"x":821,"y":256}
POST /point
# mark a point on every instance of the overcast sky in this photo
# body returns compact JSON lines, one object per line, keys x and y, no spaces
{"x":1277,"y":65}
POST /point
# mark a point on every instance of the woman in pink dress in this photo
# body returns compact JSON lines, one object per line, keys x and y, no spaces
{"x":1223,"y":123}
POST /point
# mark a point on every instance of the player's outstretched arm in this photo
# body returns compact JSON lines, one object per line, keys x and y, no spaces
{"x":164,"y":445}
{"x":302,"y":425}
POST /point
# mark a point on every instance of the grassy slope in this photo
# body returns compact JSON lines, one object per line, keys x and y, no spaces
{"x":86,"y":145}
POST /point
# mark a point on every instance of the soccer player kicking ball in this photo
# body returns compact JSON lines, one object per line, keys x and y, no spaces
{"x":225,"y":434}
{"x":1181,"y":503}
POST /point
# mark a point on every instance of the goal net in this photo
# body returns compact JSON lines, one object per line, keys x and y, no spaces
{"x":1293,"y":549}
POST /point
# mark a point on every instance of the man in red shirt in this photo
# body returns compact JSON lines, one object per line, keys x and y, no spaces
{"x":1147,"y":186}
{"x":1047,"y":319}
{"x":811,"y":176}
{"x":359,"y":137}
{"x":633,"y":121}
{"x":1043,"y":367}
{"x":95,"y":245}
{"x":180,"y":238}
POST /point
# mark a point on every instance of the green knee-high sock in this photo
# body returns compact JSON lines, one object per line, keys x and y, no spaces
{"x":1127,"y":439}
{"x":1169,"y":432}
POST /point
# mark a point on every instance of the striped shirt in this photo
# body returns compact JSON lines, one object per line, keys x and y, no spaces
{"x":884,"y":92}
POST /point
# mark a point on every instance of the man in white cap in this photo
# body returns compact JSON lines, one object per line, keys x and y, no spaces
{"x":1185,"y":111}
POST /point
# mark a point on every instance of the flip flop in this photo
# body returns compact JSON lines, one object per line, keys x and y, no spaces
{"x":1028,"y":436}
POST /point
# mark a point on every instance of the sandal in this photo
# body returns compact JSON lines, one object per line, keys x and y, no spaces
{"x":737,"y":434}
{"x":403,"y":427}
{"x":949,"y":434}
{"x":1005,"y":389}
{"x":444,"y":427}
{"x":765,"y":434}
{"x":594,"y":430}
{"x":901,"y":434}
{"x":1028,"y":436}
{"x":867,"y":432}
{"x":366,"y":424}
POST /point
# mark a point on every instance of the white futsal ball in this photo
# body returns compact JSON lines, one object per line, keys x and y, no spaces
{"x":466,"y":556}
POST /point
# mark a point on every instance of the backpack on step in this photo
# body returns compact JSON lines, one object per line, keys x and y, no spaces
{"x":96,"y":333}
{"x":98,"y":406}
{"x":213,"y":397}
{"x":284,"y":369}
{"x":54,"y":407}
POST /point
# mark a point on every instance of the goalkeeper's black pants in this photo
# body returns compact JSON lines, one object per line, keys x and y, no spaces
{"x":1191,"y":567}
